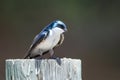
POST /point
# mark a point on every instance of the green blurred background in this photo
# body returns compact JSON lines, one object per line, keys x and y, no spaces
{"x":93,"y":32}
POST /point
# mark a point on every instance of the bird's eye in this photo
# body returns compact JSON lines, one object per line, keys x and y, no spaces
{"x":61,"y":26}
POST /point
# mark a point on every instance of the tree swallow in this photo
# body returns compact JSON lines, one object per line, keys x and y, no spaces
{"x":49,"y":38}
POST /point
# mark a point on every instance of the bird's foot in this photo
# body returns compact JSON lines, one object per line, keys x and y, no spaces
{"x":58,"y":60}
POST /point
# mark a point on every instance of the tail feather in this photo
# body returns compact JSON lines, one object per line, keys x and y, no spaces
{"x":26,"y":57}
{"x":27,"y":54}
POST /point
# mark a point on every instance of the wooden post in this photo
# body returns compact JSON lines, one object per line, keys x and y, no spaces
{"x":45,"y":69}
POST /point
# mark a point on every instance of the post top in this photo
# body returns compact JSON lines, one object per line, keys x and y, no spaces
{"x":63,"y":59}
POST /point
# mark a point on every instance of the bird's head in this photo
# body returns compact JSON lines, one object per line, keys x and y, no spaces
{"x":57,"y":24}
{"x":60,"y":25}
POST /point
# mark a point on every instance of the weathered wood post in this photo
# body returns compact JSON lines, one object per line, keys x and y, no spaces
{"x":45,"y":69}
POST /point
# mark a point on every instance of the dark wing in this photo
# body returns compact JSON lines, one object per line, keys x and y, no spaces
{"x":61,"y":40}
{"x":38,"y":38}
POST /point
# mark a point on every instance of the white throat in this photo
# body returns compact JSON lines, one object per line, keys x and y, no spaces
{"x":57,"y":30}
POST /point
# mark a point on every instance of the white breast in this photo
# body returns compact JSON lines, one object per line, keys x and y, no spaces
{"x":50,"y":42}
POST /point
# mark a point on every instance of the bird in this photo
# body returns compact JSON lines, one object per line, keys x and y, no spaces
{"x":47,"y":40}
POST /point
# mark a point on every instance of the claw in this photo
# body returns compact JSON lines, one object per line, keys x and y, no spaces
{"x":58,"y":60}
